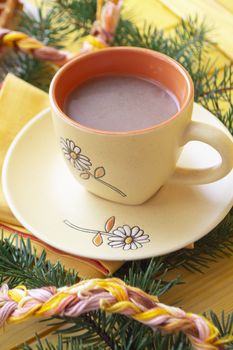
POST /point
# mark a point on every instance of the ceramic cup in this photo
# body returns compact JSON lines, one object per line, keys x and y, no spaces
{"x":130,"y":167}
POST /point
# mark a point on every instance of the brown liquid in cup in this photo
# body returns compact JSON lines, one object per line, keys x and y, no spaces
{"x":120,"y":103}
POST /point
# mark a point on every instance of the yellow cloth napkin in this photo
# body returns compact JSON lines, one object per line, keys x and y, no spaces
{"x":19,"y":102}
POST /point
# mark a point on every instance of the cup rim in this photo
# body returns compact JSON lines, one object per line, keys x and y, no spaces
{"x":174,"y":63}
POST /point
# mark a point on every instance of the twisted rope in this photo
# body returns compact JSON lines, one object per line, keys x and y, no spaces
{"x":22,"y":42}
{"x":101,"y":35}
{"x":113,"y":296}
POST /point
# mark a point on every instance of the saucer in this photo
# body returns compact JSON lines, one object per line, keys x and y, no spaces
{"x":48,"y":201}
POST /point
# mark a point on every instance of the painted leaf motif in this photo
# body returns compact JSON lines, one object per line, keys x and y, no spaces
{"x":109,"y":224}
{"x":99,"y":172}
{"x":98,"y":239}
{"x":85,"y":176}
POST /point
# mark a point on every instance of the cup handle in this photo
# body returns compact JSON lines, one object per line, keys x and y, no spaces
{"x":223,"y":144}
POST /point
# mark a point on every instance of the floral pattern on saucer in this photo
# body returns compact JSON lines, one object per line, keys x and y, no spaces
{"x":128,"y":238}
{"x":82,"y":163}
{"x":125,"y":237}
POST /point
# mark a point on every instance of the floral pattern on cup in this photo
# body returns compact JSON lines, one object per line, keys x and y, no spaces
{"x":124,"y":237}
{"x":74,"y":155}
{"x":82,"y":163}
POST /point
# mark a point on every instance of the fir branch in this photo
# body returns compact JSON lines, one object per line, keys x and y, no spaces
{"x":94,"y":329}
{"x":217,"y":244}
{"x":119,"y":332}
{"x":217,"y":86}
{"x":191,"y":36}
{"x":224,"y":324}
{"x":148,"y":275}
{"x":189,"y":39}
{"x":145,"y":338}
{"x":128,"y":34}
{"x":19,"y":264}
{"x":46,"y":25}
{"x":216,"y":93}
{"x":35,"y":72}
{"x":78,"y":15}
{"x":218,"y":90}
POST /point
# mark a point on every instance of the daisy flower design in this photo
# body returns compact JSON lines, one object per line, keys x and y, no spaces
{"x":128,"y":238}
{"x":73,"y":153}
{"x":82,"y":163}
{"x":124,"y":237}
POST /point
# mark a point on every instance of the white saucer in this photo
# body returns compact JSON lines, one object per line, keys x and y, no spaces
{"x":46,"y":199}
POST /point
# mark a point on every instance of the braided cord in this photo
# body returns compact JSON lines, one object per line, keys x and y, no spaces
{"x":111,"y":295}
{"x":101,"y":35}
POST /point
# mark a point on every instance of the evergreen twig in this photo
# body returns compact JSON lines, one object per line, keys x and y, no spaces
{"x":78,"y":15}
{"x":19,"y":263}
{"x":46,"y":25}
{"x":217,"y":244}
{"x":145,"y":339}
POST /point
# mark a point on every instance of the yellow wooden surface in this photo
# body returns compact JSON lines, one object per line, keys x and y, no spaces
{"x":217,"y":15}
{"x":14,"y":335}
{"x":214,"y":288}
{"x":227,"y":4}
{"x":165,"y":14}
{"x":152,"y":12}
{"x":210,"y":290}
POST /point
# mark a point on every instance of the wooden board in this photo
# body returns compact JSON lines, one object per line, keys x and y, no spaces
{"x":210,"y":290}
{"x":215,"y":14}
